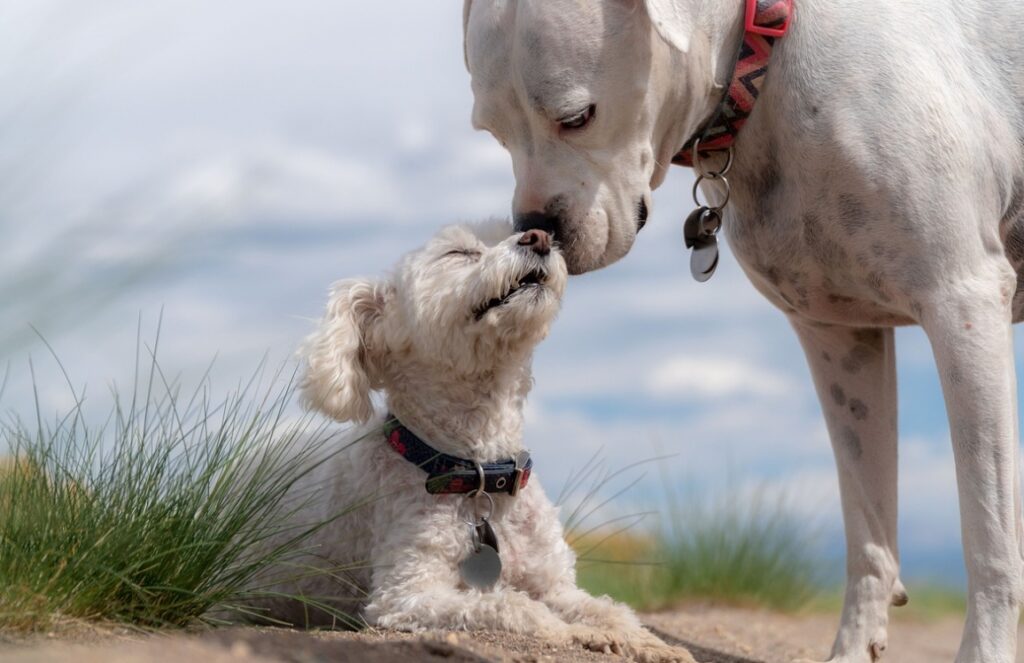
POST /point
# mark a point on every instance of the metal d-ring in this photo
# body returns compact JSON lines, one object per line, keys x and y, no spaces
{"x":711,"y":175}
{"x":715,"y":176}
{"x":720,"y":178}
{"x":475,"y":496}
{"x":710,"y":224}
{"x":478,"y":517}
{"x":481,"y":484}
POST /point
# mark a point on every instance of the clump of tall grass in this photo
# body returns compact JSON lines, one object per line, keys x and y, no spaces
{"x":748,"y":550}
{"x":171,"y":508}
{"x":751,"y":550}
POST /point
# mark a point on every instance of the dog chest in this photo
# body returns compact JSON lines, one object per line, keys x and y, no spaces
{"x":835,"y":261}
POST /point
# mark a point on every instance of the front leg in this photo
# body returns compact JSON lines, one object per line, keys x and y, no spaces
{"x":415,"y":582}
{"x":547,"y":571}
{"x":617,"y":624}
{"x":429,"y":605}
{"x":854,"y":373}
{"x":415,"y":586}
{"x":968,"y":324}
{"x":421,"y":603}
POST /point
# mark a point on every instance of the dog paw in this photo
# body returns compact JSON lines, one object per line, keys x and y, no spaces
{"x":874,"y":654}
{"x":660,"y":653}
{"x":641,"y":647}
{"x":596,"y":640}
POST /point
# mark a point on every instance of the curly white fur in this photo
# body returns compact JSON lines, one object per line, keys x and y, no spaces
{"x":457,"y":379}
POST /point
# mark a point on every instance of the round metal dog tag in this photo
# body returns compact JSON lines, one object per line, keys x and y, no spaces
{"x":482,"y":568}
{"x":704,"y":259}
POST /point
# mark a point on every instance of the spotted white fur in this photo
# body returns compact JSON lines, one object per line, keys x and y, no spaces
{"x":878,"y":182}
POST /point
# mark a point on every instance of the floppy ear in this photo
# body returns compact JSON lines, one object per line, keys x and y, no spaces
{"x":339,"y":379}
{"x":466,"y":6}
{"x":673,"y":19}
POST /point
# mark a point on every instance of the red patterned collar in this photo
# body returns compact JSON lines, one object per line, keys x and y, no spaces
{"x":451,"y":474}
{"x":764,"y":22}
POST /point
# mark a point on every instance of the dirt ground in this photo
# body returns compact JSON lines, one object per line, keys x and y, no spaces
{"x":714,"y":635}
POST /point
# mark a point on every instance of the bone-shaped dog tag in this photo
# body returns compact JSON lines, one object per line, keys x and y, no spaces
{"x":482,"y":568}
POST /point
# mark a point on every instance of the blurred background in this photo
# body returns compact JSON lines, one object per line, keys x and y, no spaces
{"x":222,"y":163}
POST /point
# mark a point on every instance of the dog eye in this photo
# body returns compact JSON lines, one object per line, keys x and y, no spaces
{"x":579,"y":120}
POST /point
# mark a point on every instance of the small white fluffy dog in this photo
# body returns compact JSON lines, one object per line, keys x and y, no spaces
{"x":448,"y":338}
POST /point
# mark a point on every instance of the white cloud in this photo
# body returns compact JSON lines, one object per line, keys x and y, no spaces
{"x":697,"y":376}
{"x":928,"y":493}
{"x":279,"y":179}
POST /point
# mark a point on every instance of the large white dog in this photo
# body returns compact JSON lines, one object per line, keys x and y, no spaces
{"x":878,"y":182}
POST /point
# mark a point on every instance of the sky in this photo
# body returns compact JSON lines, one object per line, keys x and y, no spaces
{"x":223,"y":163}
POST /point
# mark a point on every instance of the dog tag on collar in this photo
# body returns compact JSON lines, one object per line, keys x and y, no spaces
{"x":699,"y":234}
{"x":482,"y":568}
{"x":704,"y":259}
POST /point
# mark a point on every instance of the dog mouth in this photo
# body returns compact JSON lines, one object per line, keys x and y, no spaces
{"x":532,"y":280}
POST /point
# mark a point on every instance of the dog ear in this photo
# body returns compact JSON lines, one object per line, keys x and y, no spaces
{"x":339,"y":375}
{"x":673,"y":19}
{"x":466,"y":6}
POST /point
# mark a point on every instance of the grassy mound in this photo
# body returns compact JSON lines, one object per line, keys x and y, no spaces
{"x":738,"y":551}
{"x":170,"y":509}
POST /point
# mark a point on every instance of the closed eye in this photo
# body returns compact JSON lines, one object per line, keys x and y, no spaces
{"x":578,"y":120}
{"x":466,"y":253}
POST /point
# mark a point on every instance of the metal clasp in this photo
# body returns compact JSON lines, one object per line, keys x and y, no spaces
{"x":522,"y":458}
{"x":479,"y":515}
{"x":711,"y":175}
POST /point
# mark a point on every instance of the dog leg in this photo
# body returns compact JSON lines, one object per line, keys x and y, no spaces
{"x":854,"y":373}
{"x":549,"y":574}
{"x":421,"y":607}
{"x":417,"y":602}
{"x":970,"y":331}
{"x":504,"y":609}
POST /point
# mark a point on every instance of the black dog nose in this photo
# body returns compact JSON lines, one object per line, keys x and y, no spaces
{"x":538,"y":240}
{"x":550,"y":224}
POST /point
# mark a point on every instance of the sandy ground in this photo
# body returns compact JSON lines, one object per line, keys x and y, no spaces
{"x":714,"y":635}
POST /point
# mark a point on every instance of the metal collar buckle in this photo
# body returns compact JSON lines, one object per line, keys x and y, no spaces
{"x":517,"y":474}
